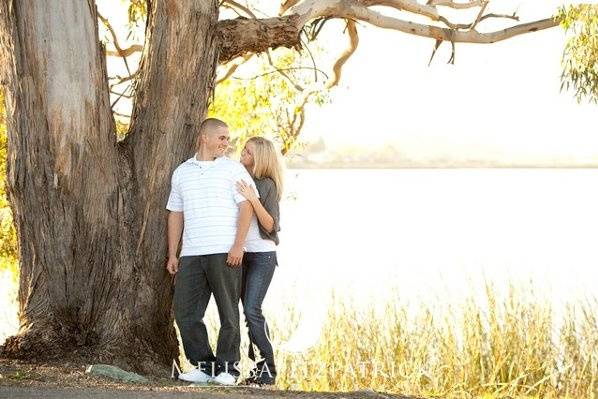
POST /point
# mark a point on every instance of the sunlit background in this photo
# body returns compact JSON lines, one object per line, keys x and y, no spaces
{"x":415,"y":227}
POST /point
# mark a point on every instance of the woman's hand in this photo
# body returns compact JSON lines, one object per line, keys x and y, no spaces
{"x":246,"y":191}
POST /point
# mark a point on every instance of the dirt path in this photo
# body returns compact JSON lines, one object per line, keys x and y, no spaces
{"x":16,"y":392}
{"x":19,"y":380}
{"x":37,"y":392}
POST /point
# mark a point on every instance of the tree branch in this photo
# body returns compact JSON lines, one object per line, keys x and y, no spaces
{"x":278,"y":70}
{"x":455,"y":5}
{"x":233,"y":67}
{"x":120,"y":52}
{"x":338,"y":66}
{"x":480,"y":13}
{"x":514,"y":17}
{"x":121,"y":115}
{"x":114,"y":40}
{"x":451,"y":35}
{"x":286,"y":5}
{"x":120,"y":79}
{"x":134,"y":48}
{"x":406,"y":5}
{"x":282,"y":73}
{"x":240,"y":36}
{"x":236,"y":6}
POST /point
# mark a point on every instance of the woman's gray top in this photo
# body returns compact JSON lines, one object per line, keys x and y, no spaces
{"x":267,"y":190}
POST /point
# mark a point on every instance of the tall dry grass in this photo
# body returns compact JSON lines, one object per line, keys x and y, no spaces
{"x":508,"y":346}
{"x":500,"y":346}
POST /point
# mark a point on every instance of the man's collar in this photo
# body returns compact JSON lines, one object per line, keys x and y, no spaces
{"x":193,"y":160}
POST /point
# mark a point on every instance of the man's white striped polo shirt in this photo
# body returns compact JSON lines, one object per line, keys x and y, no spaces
{"x":205,"y":192}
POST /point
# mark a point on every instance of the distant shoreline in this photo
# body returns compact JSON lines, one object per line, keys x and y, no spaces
{"x":373,"y":167}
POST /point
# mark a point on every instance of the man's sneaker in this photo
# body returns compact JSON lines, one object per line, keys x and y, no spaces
{"x":195,"y":375}
{"x":225,"y":379}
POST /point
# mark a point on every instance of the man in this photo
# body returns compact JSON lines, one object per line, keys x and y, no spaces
{"x":213,"y":218}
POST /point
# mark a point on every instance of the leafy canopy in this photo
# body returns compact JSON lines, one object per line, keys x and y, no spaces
{"x":580,"y":56}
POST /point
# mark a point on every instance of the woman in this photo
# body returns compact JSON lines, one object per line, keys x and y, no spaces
{"x":259,"y":261}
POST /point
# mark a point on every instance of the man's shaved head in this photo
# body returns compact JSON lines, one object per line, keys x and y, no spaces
{"x":211,"y":125}
{"x":212,"y":140}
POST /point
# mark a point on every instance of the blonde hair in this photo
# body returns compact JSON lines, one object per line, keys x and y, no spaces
{"x":266,"y":162}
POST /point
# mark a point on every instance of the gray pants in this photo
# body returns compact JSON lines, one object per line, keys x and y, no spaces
{"x":197,"y":278}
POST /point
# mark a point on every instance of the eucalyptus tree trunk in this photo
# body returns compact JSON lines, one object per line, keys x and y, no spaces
{"x":89,"y":210}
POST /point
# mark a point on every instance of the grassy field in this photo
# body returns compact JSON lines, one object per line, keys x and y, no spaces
{"x":507,"y":346}
{"x":510,"y":349}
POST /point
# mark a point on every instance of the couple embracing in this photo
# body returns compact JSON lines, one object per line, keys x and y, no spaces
{"x":227,"y":214}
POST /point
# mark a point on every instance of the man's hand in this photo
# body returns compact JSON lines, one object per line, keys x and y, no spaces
{"x":172,"y":265}
{"x":235,"y":256}
{"x":175,"y":230}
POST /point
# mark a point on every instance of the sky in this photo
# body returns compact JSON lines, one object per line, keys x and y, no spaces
{"x":499,"y":102}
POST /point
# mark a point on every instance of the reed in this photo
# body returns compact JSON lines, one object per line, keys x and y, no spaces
{"x":500,"y":346}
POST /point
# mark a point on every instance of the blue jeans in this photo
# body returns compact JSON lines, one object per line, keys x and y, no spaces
{"x":258,"y":269}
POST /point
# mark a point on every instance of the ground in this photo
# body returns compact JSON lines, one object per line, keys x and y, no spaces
{"x":58,"y":380}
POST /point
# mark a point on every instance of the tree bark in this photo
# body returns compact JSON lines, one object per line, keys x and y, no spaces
{"x":89,"y":210}
{"x":241,"y":36}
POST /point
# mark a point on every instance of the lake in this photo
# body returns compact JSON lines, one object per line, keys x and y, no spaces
{"x":434,"y":236}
